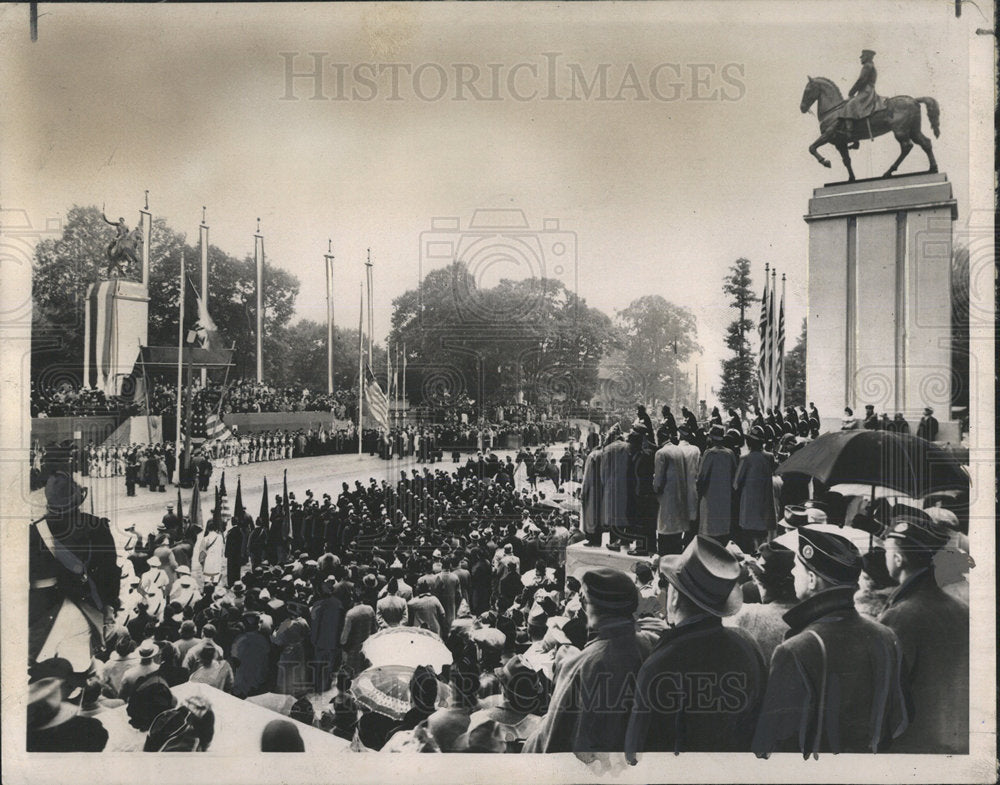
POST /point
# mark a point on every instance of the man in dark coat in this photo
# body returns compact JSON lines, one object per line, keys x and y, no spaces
{"x":928,"y":427}
{"x":755,"y":489}
{"x":834,"y":684}
{"x":327,"y":617}
{"x":234,"y":552}
{"x":593,"y":693}
{"x":667,"y":431}
{"x":715,"y":488}
{"x":74,"y":575}
{"x":933,"y":628}
{"x":701,"y":687}
{"x":615,"y":468}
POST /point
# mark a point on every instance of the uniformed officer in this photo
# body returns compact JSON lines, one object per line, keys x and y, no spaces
{"x":834,"y":684}
{"x":933,"y":628}
{"x":862,"y":100}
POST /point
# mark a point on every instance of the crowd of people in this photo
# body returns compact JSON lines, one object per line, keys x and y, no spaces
{"x":927,"y":428}
{"x":718,"y":607}
{"x":64,"y":400}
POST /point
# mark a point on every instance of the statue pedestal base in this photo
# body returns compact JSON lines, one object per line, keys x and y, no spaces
{"x":879,"y":324}
{"x":116,"y":325}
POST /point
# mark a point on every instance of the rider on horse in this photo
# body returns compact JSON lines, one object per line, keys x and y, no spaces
{"x":862,"y":101}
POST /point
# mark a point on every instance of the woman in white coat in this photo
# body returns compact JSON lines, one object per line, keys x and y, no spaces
{"x":212,"y":554}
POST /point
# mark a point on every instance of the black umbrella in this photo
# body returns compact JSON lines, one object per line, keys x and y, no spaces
{"x":908,"y":464}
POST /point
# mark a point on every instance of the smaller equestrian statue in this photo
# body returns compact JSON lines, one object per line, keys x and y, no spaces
{"x":123,"y":248}
{"x":865,"y":115}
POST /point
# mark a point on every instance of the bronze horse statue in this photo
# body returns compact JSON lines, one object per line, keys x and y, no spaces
{"x":901,"y":116}
{"x":123,"y":248}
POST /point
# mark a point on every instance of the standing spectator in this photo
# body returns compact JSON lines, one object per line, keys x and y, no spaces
{"x":835,"y":683}
{"x":327,"y":615}
{"x":211,"y":671}
{"x":211,"y":554}
{"x":928,"y":427}
{"x":359,"y":624}
{"x":592,"y":698}
{"x":754,"y":488}
{"x":390,"y":610}
{"x":670,"y":485}
{"x":715,"y":488}
{"x":675,"y":713}
{"x":425,"y":610}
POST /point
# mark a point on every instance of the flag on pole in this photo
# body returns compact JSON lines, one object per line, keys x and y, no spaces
{"x":378,"y":404}
{"x":771,"y":347}
{"x":180,"y":506}
{"x":286,"y":523}
{"x":238,"y":507}
{"x":264,"y":516}
{"x":762,"y":331}
{"x":203,"y":333}
{"x":779,"y":358}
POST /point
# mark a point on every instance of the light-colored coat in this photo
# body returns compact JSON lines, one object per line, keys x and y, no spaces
{"x":670,"y":485}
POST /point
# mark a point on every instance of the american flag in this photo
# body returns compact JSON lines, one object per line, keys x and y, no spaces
{"x":779,"y":357}
{"x":762,"y":384}
{"x":378,"y":404}
{"x":207,"y":427}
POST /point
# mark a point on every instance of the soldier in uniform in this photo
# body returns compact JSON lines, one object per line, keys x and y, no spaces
{"x":835,"y":681}
{"x":933,"y":628}
{"x":862,"y":101}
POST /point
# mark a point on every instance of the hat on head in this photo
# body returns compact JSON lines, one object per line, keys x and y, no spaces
{"x":45,"y":705}
{"x":170,"y":505}
{"x":795,"y":515}
{"x":154,"y":561}
{"x":815,"y":515}
{"x":148,"y":650}
{"x":183,"y":570}
{"x":830,"y":556}
{"x":717,"y":433}
{"x":239,"y":588}
{"x":521,"y":684}
{"x":867,"y":53}
{"x":917,"y":531}
{"x":611,"y":590}
{"x":776,"y":557}
{"x":707,"y":574}
{"x":63,"y":494}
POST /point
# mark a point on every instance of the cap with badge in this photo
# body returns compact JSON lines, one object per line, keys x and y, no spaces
{"x":830,"y":556}
{"x":917,"y":531}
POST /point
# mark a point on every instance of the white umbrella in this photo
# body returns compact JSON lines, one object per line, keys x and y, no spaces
{"x":411,"y":646}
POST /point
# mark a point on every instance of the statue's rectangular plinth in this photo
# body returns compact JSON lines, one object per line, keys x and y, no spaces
{"x":879,"y":324}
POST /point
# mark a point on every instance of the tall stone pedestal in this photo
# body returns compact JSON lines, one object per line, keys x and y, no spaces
{"x":879,"y":329}
{"x":116,"y":325}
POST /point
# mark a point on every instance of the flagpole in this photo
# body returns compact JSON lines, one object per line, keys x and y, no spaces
{"x":781,"y":345}
{"x":371,"y":319}
{"x":203,"y":240}
{"x":403,"y":397}
{"x":361,"y":354}
{"x":388,"y":374}
{"x":146,"y":221}
{"x":329,"y":316}
{"x":772,"y":326}
{"x":180,"y":373}
{"x":258,"y":252}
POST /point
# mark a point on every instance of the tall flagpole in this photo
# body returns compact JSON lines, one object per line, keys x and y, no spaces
{"x":203,"y":238}
{"x":146,"y":221}
{"x":388,"y":374}
{"x":361,"y":354}
{"x":371,"y":319}
{"x":403,"y":396}
{"x":258,"y":253}
{"x":180,"y":371}
{"x":781,"y":346}
{"x":328,"y":257}
{"x":773,"y":346}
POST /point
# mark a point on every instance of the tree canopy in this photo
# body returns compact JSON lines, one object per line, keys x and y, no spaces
{"x":738,"y":389}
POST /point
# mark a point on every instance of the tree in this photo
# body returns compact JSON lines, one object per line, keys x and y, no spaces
{"x":795,"y":371}
{"x":531,"y":339}
{"x":656,"y":336}
{"x":738,"y":387}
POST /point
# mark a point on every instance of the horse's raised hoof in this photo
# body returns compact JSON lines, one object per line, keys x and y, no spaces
{"x":826,"y":164}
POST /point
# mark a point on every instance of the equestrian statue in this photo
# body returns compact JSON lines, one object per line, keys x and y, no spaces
{"x":865,"y":115}
{"x":123,"y":248}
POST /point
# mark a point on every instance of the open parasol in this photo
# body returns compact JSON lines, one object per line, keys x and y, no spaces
{"x":411,"y":646}
{"x":386,"y":690}
{"x":901,"y":462}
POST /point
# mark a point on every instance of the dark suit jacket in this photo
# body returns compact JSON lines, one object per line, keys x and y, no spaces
{"x":933,"y":628}
{"x":847,"y":691}
{"x":700,"y":690}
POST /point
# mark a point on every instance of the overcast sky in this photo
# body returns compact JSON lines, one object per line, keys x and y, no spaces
{"x":704,"y":158}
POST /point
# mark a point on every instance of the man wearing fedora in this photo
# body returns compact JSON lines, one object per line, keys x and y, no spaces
{"x":928,"y":427}
{"x":592,"y":698}
{"x":700,"y":689}
{"x":933,"y":628}
{"x":834,"y":684}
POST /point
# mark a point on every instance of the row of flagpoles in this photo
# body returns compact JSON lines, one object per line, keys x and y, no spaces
{"x":771,"y":356}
